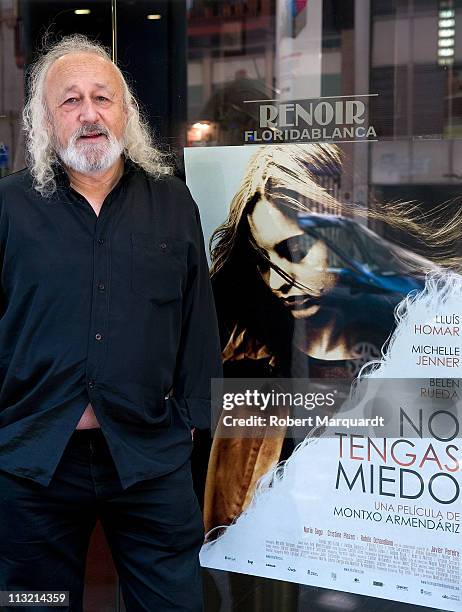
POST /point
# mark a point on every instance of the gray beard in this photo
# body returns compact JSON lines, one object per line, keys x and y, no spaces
{"x":91,"y":158}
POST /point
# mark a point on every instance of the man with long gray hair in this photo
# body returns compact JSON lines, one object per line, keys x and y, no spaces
{"x":108,"y":341}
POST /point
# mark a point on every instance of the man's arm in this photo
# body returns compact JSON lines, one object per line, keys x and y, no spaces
{"x":199,"y":355}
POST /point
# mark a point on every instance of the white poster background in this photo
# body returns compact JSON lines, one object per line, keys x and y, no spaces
{"x":304,"y":530}
{"x":213,"y":175}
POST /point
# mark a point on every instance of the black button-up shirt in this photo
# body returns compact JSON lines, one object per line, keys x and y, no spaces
{"x":114,"y":309}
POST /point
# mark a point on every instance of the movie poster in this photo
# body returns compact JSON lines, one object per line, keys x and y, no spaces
{"x":366,"y":499}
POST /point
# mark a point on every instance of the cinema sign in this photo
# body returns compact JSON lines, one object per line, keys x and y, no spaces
{"x":331,"y":120}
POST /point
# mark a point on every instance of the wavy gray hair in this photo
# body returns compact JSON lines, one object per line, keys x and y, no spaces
{"x":40,"y":152}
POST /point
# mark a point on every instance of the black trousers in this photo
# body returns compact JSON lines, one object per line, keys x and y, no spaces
{"x":154,"y":530}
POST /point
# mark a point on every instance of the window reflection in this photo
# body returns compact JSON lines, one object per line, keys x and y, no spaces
{"x":196,"y":64}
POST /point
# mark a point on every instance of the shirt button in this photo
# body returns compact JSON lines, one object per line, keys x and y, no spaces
{"x":91,"y":384}
{"x":163,"y":246}
{"x":101,"y":286}
{"x":98,"y":337}
{"x":100,"y":240}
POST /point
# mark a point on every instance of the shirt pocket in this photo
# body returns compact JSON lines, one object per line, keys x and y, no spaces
{"x":158,"y":267}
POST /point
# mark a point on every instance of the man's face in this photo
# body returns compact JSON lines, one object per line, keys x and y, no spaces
{"x":84,"y":97}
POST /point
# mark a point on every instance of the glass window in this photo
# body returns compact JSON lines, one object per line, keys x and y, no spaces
{"x":379,"y":85}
